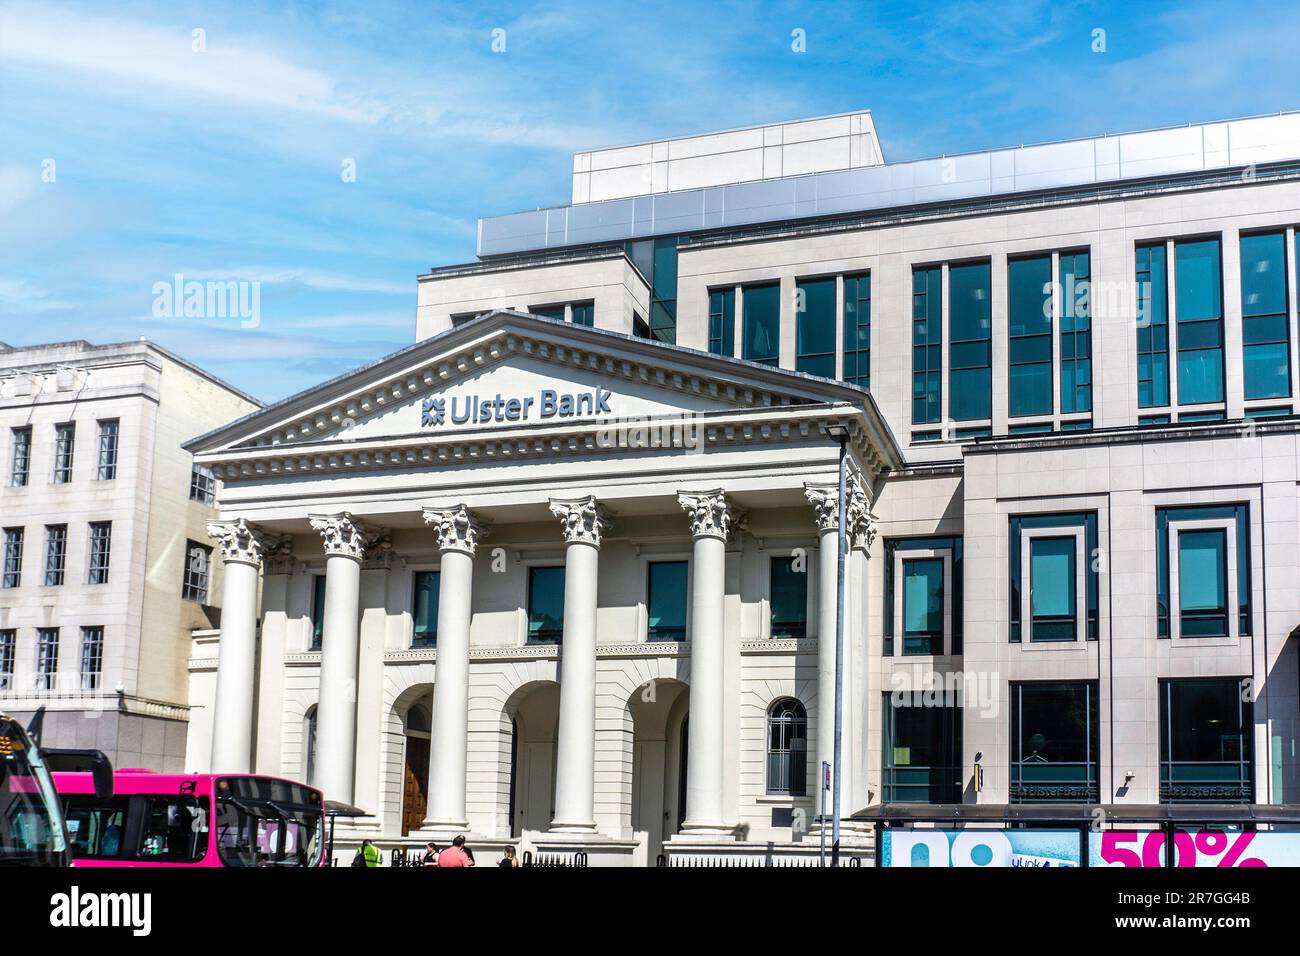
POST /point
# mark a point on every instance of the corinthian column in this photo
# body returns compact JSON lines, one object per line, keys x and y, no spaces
{"x":346,"y":542}
{"x":583,"y":522}
{"x":825,"y":500}
{"x":243,"y":547}
{"x":458,"y":532}
{"x":712,"y":520}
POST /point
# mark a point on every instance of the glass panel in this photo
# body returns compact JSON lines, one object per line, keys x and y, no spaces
{"x":927,"y":340}
{"x":317,"y":610}
{"x":1198,"y":280}
{"x":1205,"y":741}
{"x":1076,"y":349}
{"x":722,"y":322}
{"x":922,"y":753}
{"x":969,"y":335}
{"x":584,"y":313}
{"x":1203,"y":582}
{"x":1030,"y":336}
{"x":762,"y":324}
{"x":1053,"y":588}
{"x":789,"y":590}
{"x":1054,"y":730}
{"x":667,"y":601}
{"x":857,"y":330}
{"x":424,"y":610}
{"x":815,"y":327}
{"x":545,"y":605}
{"x":923,"y":606}
{"x":787,"y":748}
{"x":1265,"y":325}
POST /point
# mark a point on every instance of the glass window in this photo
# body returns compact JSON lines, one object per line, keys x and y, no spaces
{"x":1265,"y":326}
{"x":789,"y":592}
{"x":970,"y":342}
{"x":107,"y":467}
{"x":1198,"y":281}
{"x":1054,"y":742}
{"x":857,"y":330}
{"x":1205,"y":741}
{"x":64,"y":441}
{"x":640,"y":327}
{"x":722,"y":322}
{"x":545,"y":605}
{"x":96,"y":826}
{"x":920,"y":643}
{"x":424,"y":609}
{"x":1052,"y":577}
{"x":663,"y":291}
{"x":1029,"y":354}
{"x":815,"y":327}
{"x":175,"y":829}
{"x":8,"y":648}
{"x":1153,"y":326}
{"x":555,"y":312}
{"x":47,"y":657}
{"x":194,"y":580}
{"x":787,"y":748}
{"x":92,"y":657}
{"x":20,"y":467}
{"x":922,"y":605}
{"x":1076,"y":332}
{"x":203,"y":484}
{"x":13,"y":569}
{"x":762,"y":323}
{"x":56,"y":553}
{"x":1053,"y":589}
{"x":317,"y":610}
{"x":1202,"y":570}
{"x":667,"y":601}
{"x":584,"y":313}
{"x":927,"y":345}
{"x":101,"y":534}
{"x":922,"y":751}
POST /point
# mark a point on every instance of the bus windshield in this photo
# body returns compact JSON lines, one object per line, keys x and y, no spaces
{"x":264,"y":822}
{"x":31,"y":820}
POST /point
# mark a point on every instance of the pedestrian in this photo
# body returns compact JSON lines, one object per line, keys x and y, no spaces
{"x":369,"y":854}
{"x":455,"y":854}
{"x":509,"y":860}
{"x":430,"y":857}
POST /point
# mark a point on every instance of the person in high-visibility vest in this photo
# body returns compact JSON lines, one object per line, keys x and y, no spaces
{"x":370,"y":853}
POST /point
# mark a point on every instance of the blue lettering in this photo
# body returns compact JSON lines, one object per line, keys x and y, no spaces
{"x":461,"y":417}
{"x":548,"y":406}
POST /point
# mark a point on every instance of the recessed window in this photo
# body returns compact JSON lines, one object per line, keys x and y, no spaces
{"x":789,"y":598}
{"x":787,"y":748}
{"x":666,"y":604}
{"x":12,"y":576}
{"x":424,"y":608}
{"x":814,"y":327}
{"x":857,"y":330}
{"x":555,"y":312}
{"x":92,"y":657}
{"x":8,"y":648}
{"x":1153,"y":326}
{"x":545,"y":605}
{"x":1029,"y":353}
{"x":1054,"y":577}
{"x":923,"y":605}
{"x":198,"y":566}
{"x":1074,"y":279}
{"x":64,"y":443}
{"x":583,"y":313}
{"x":970,"y":342}
{"x":928,"y":594}
{"x":922,"y":751}
{"x":106,"y":468}
{"x":1205,"y":742}
{"x":47,"y":657}
{"x":1053,"y":591}
{"x":1203,"y":579}
{"x":722,"y":321}
{"x":56,"y":553}
{"x":101,"y":538}
{"x":1055,"y":742}
{"x":317,"y":610}
{"x":203,"y":484}
{"x":20,"y":462}
{"x":762,"y":323}
{"x":1198,"y":280}
{"x":1265,"y":327}
{"x":927,"y":346}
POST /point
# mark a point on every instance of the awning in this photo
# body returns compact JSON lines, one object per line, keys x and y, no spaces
{"x":1080,"y":813}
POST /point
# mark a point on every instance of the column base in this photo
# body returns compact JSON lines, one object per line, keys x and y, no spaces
{"x":442,"y":831}
{"x":596,"y":849}
{"x":705,"y":831}
{"x":580,"y":828}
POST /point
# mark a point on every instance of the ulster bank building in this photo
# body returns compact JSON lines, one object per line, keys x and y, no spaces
{"x":563,"y":573}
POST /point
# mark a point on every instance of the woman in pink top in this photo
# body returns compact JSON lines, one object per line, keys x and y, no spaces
{"x":455,"y":854}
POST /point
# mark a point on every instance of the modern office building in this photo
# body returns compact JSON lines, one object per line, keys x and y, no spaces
{"x":563,"y":571}
{"x":106,"y":561}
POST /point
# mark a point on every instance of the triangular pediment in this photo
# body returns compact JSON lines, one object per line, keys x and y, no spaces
{"x":512,"y":371}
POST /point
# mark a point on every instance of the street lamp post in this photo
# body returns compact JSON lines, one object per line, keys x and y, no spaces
{"x":840,"y":434}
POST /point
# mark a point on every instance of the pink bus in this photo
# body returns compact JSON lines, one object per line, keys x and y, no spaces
{"x":192,"y":819}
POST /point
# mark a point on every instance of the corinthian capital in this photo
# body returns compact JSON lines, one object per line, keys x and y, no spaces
{"x":347,"y":536}
{"x":244,"y":542}
{"x":825,"y":500}
{"x":582,"y":520}
{"x":711,"y":514}
{"x":457,"y":528}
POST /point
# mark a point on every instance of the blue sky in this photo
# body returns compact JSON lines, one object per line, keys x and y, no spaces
{"x":127,"y":156}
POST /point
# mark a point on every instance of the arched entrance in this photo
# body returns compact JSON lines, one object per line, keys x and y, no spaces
{"x":417,"y":724}
{"x":534,"y":714}
{"x":658,"y":712}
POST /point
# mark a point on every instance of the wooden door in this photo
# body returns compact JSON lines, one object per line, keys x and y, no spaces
{"x":415,"y":783}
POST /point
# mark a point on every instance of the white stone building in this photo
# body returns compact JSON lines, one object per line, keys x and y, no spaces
{"x":1069,"y":376}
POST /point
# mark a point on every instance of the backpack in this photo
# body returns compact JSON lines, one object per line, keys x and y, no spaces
{"x":359,"y":859}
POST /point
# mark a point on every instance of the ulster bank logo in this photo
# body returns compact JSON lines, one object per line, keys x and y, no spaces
{"x":504,"y":409}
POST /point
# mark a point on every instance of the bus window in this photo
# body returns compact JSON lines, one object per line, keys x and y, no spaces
{"x":175,"y":829}
{"x":96,"y":826}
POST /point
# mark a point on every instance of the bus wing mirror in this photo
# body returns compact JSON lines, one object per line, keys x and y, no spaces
{"x":81,"y":761}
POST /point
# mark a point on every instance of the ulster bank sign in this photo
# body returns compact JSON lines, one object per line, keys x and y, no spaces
{"x":545,"y":405}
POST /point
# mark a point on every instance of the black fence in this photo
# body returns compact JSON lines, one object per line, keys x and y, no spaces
{"x":664,"y":862}
{"x":578,"y":859}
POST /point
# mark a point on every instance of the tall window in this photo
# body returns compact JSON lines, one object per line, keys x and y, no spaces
{"x":1206,"y":728}
{"x":424,"y":610}
{"x":317,"y":610}
{"x":722,"y":321}
{"x":815,"y":327}
{"x":923,"y":599}
{"x":1075,"y":284}
{"x":1153,"y":326}
{"x":1197,"y":563}
{"x":583,"y":313}
{"x":927,"y":345}
{"x":787,"y":748}
{"x":970,"y":342}
{"x":1045,"y":593}
{"x":923,"y":595}
{"x":922,"y":750}
{"x":1265,"y":327}
{"x":101,"y":535}
{"x":92,"y":657}
{"x":1029,"y":354}
{"x":545,"y":605}
{"x":13,"y":569}
{"x":1055,"y":730}
{"x":8,"y":646}
{"x":762,"y":323}
{"x":20,"y":464}
{"x":666,"y":605}
{"x":106,"y":469}
{"x":203,"y":484}
{"x":663,"y":291}
{"x":857,"y":330}
{"x":56,"y":553}
{"x":1199,"y":298}
{"x":198,"y":564}
{"x":47,"y":657}
{"x":64,"y":440}
{"x":789,"y":591}
{"x":309,"y":745}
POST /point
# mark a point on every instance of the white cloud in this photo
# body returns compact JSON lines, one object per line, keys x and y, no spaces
{"x":17,"y":185}
{"x":19,"y":296}
{"x":311,"y":278}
